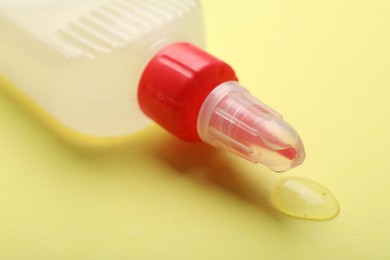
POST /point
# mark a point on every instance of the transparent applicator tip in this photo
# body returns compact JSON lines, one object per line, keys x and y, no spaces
{"x":231,"y":118}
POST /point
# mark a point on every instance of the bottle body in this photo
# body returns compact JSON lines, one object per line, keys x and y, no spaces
{"x":94,"y":64}
{"x":81,"y":60}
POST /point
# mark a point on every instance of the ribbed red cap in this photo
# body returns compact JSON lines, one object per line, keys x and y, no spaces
{"x":174,"y":85}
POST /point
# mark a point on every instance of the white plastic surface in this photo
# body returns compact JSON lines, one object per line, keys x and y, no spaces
{"x":231,"y":118}
{"x":81,"y":60}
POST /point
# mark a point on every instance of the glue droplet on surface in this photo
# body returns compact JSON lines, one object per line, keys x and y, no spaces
{"x":304,"y":198}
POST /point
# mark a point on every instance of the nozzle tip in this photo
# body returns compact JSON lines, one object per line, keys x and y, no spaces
{"x":233,"y":119}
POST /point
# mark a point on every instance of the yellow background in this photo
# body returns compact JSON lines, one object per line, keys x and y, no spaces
{"x":323,"y":64}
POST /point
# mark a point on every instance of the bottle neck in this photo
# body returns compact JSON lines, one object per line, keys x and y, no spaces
{"x":174,"y":85}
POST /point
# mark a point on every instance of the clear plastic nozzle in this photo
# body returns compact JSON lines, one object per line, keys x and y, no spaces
{"x":231,"y":118}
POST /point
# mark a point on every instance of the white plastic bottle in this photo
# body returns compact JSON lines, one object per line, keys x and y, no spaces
{"x":82,"y":62}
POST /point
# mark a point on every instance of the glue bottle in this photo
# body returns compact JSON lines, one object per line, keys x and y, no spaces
{"x":99,"y":66}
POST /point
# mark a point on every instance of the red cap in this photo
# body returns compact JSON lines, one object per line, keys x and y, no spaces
{"x":174,"y":85}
